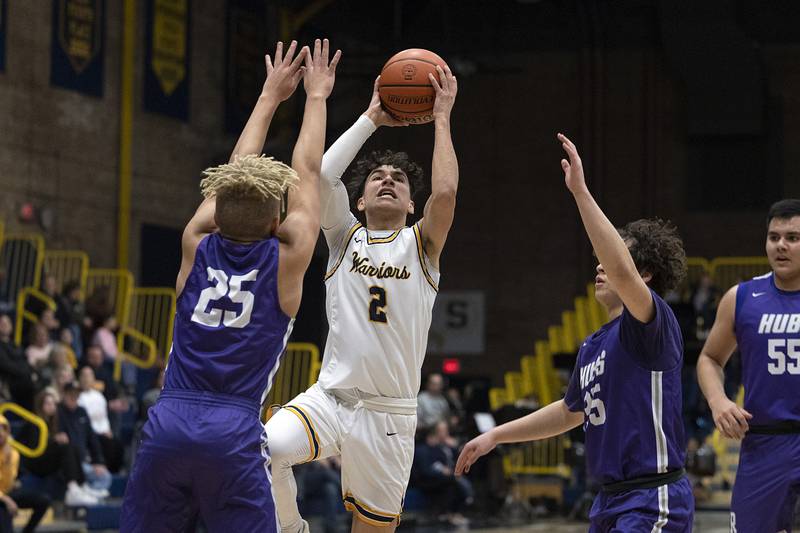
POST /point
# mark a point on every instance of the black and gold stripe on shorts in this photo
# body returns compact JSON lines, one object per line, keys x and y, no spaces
{"x":368,"y":515}
{"x":421,"y":255}
{"x":349,"y":236}
{"x":312,"y":435}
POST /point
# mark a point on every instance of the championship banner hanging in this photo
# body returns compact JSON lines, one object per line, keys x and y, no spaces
{"x":167,"y":53}
{"x":2,"y":35}
{"x":78,"y":48}
{"x":245,"y":47}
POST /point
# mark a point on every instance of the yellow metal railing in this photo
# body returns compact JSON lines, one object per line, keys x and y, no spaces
{"x":497,"y":398}
{"x":296,"y":373}
{"x":152,"y":311}
{"x":545,"y":457}
{"x":33,"y":419}
{"x":67,"y":266}
{"x":21,"y":255}
{"x":728,"y":271}
{"x":24,"y":314}
{"x":136,"y":348}
{"x":119,"y":285}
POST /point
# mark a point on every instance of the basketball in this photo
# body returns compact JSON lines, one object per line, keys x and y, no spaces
{"x":405,"y":90}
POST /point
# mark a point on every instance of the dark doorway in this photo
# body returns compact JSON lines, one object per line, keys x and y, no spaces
{"x":160,"y":255}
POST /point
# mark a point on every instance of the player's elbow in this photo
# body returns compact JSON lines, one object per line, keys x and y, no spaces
{"x":444,"y":198}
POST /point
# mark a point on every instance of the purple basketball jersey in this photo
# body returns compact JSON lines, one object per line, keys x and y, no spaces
{"x":767,"y":329}
{"x":627,"y":381}
{"x":229,"y":329}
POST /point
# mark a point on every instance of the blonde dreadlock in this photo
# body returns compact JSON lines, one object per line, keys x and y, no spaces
{"x":248,"y":191}
{"x":249,"y":176}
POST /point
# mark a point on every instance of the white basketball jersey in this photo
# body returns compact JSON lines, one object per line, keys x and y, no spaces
{"x":380,"y":290}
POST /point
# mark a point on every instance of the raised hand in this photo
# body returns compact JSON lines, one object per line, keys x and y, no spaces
{"x":474,"y":450}
{"x":446,"y":88}
{"x":376,"y":113}
{"x":284,"y":75}
{"x":573,"y":169}
{"x":320,"y":75}
{"x":730,"y":419}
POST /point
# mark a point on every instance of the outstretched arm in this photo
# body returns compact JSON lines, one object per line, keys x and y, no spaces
{"x":298,"y":233}
{"x":730,"y":419}
{"x":440,"y":208}
{"x":549,"y":421}
{"x":611,"y":250}
{"x":333,"y":193}
{"x":282,"y":80}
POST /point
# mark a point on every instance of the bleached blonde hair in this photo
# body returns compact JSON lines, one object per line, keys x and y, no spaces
{"x":249,"y":192}
{"x":249,"y":176}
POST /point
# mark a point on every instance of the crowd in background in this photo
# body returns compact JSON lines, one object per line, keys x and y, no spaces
{"x":63,"y":371}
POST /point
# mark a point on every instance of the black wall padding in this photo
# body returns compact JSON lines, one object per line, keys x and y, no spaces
{"x":719,"y":65}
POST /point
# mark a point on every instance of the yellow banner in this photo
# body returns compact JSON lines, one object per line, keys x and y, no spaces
{"x":170,"y":35}
{"x":79,"y":31}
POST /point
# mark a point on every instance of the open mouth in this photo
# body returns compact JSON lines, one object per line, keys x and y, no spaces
{"x":386,"y":193}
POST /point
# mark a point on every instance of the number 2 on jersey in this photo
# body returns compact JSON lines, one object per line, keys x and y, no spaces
{"x":377,"y":313}
{"x":233,"y":289}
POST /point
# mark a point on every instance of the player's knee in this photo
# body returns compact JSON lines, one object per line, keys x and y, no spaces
{"x":286,"y":439}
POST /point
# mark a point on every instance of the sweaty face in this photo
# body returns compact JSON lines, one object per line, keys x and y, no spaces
{"x":783,"y":247}
{"x":386,"y":189}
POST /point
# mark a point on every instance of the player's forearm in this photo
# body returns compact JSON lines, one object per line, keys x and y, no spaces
{"x":611,"y":250}
{"x":444,"y":170}
{"x":711,"y":378}
{"x":254,"y":134}
{"x":307,"y":156}
{"x":344,"y":150}
{"x":551,"y":420}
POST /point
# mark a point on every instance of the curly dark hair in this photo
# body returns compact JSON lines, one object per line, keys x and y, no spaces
{"x":657,"y":249}
{"x":377,"y":158}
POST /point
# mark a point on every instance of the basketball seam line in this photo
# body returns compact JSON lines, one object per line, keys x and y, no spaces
{"x":387,"y":65}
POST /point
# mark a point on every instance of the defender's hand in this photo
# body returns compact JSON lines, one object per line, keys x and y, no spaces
{"x":473,"y":450}
{"x":285,"y":74}
{"x":320,"y":75}
{"x":376,"y":113}
{"x":573,"y":169}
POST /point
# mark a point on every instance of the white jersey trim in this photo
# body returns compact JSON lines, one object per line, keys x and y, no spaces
{"x":662,"y":459}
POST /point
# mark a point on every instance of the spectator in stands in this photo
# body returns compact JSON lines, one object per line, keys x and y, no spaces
{"x":106,"y":337}
{"x":104,"y":382}
{"x":74,"y":420}
{"x":433,"y":473}
{"x":60,"y":458}
{"x":48,"y":318}
{"x":72,"y":314}
{"x":38,"y":351}
{"x":456,"y":410}
{"x":57,"y":360}
{"x":705,"y":299}
{"x":63,"y":376}
{"x":12,"y":495}
{"x":16,"y":375}
{"x":432,"y":406}
{"x":96,"y":406}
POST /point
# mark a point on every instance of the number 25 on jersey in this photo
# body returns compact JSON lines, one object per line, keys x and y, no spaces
{"x":230,"y":286}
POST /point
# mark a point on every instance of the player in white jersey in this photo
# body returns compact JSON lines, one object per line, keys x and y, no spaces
{"x":381,"y":284}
